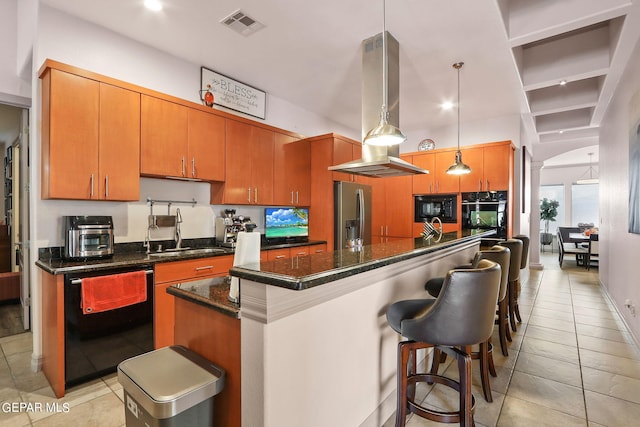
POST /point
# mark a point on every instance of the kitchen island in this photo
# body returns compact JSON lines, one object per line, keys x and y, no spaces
{"x":316,"y":348}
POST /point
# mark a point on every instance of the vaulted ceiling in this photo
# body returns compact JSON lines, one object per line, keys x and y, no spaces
{"x":554,"y":63}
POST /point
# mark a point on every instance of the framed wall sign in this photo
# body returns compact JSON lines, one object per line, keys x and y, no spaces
{"x":233,"y":94}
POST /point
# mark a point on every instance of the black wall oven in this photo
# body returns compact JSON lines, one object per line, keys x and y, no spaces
{"x":443,"y":206}
{"x":485,"y":211}
{"x":96,"y":343}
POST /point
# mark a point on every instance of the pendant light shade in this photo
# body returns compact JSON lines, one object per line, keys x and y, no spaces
{"x":458,"y":168}
{"x":590,"y":171}
{"x":384,"y":134}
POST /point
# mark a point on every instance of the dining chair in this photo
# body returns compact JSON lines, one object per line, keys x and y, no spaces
{"x":594,"y":250}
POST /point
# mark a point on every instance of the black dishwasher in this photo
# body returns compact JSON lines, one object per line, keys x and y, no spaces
{"x":96,"y":343}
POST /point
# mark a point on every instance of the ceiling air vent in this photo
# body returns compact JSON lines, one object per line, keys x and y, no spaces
{"x":242,"y":23}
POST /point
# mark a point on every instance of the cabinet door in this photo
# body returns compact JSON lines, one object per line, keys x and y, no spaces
{"x":164,"y":316}
{"x":379,"y":208}
{"x":282,"y":191}
{"x":119,"y":147}
{"x":299,"y":251}
{"x":497,"y":162}
{"x":238,"y":163}
{"x":163,"y":138}
{"x":298,"y":172}
{"x":275,"y":254}
{"x":342,"y":153}
{"x":70,"y":147}
{"x":261,"y":154}
{"x":424,"y":183}
{"x":206,"y":133}
{"x":474,"y":181}
{"x":444,"y":183}
{"x":399,"y":206}
{"x":193,"y":269}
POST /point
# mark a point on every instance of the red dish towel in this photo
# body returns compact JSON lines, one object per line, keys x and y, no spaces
{"x":104,"y":293}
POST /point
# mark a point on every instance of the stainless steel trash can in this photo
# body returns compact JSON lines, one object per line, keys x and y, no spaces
{"x":169,"y":387}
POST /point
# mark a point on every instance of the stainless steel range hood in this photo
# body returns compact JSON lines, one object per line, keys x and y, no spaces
{"x":379,"y":162}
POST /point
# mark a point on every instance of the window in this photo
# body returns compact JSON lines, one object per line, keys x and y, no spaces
{"x":584,"y":204}
{"x":553,"y":192}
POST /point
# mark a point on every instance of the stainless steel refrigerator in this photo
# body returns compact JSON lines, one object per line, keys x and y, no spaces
{"x":352,"y":217}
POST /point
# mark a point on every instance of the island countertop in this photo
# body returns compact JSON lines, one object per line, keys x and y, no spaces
{"x":301,"y":273}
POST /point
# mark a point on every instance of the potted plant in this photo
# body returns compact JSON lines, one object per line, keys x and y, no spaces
{"x":548,"y":213}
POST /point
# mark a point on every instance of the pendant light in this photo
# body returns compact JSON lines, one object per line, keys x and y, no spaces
{"x":591,"y":179}
{"x":458,"y":168}
{"x":384,"y":134}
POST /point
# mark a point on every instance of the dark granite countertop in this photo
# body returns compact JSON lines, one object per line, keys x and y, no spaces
{"x":132,"y":255}
{"x":308,"y":271}
{"x":211,"y":293}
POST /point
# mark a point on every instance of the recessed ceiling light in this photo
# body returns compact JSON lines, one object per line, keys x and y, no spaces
{"x":447,"y":105}
{"x":563,"y":82}
{"x":154,"y":5}
{"x":561,"y":132}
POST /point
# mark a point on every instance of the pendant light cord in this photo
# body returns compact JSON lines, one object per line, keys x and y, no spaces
{"x":385,"y":60}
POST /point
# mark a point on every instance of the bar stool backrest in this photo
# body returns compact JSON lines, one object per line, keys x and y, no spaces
{"x":515,"y":246}
{"x":464,"y":312}
{"x":525,"y":249}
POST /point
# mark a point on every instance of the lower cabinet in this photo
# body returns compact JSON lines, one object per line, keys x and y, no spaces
{"x":283,"y":253}
{"x":171,"y":273}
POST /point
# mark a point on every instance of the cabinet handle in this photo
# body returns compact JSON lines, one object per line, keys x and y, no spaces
{"x":488,"y":189}
{"x":92,"y":186}
{"x":437,"y":186}
{"x":479,"y":185}
{"x":182,"y":166}
{"x":204,"y":267}
{"x":106,"y":186}
{"x":280,"y":256}
{"x":255,"y":195}
{"x":382,"y":230}
{"x":193,"y":167}
{"x":297,"y":197}
{"x":319,"y":251}
{"x":292,"y":197}
{"x":249,"y":194}
{"x":430,"y":187}
{"x":386,"y":230}
{"x":301,"y":253}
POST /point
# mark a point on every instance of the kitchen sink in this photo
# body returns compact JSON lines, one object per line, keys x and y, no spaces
{"x":186,"y":251}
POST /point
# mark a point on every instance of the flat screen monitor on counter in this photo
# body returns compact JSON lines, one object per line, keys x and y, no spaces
{"x":286,"y":224}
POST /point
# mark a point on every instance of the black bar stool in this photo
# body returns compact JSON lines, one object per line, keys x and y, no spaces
{"x":514,"y":309}
{"x":502,"y":256}
{"x":461,"y":316}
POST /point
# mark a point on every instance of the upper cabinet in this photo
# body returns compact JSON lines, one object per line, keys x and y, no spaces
{"x":491,"y":167}
{"x":437,"y":181}
{"x":292,"y":171}
{"x":249,"y":166}
{"x":181,"y":142}
{"x":86,"y":127}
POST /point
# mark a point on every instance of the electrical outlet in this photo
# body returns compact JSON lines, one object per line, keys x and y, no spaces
{"x":631,"y":306}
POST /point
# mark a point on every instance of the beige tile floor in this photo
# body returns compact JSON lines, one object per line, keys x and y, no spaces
{"x":571,"y":363}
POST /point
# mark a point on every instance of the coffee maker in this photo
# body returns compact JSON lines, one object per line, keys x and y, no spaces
{"x":229,"y":225}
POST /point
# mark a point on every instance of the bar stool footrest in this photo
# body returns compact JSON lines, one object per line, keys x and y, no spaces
{"x":434,"y":414}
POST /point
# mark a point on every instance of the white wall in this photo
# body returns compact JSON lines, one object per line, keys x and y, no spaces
{"x":619,"y":249}
{"x":11,"y":85}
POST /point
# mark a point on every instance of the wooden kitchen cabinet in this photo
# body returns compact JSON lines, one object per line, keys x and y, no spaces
{"x":392,"y":207}
{"x":328,"y":150}
{"x":491,"y":167}
{"x":181,"y":142}
{"x":170,"y":273}
{"x":249,"y":166}
{"x":437,"y":181}
{"x":292,"y":171}
{"x":163,"y":137}
{"x":86,"y":127}
{"x":205,"y":146}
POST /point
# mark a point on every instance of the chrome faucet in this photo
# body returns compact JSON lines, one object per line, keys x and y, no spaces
{"x":147,"y":240}
{"x":178,"y":237}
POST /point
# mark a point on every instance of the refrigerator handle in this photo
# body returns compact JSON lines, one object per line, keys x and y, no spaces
{"x":360,"y":211}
